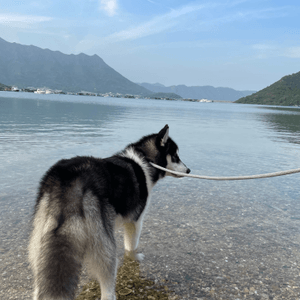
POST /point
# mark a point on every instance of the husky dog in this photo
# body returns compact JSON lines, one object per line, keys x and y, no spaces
{"x":81,"y":201}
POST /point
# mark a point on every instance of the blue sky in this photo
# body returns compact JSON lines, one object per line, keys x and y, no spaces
{"x":243,"y":44}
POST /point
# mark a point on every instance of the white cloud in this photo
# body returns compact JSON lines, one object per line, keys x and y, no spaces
{"x":265,"y":51}
{"x":262,"y":47}
{"x":17,"y":20}
{"x":271,"y":51}
{"x":109,"y":6}
{"x":156,"y":25}
{"x":203,"y":21}
{"x":293,"y":52}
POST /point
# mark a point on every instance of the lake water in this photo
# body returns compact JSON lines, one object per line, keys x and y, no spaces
{"x":216,"y":139}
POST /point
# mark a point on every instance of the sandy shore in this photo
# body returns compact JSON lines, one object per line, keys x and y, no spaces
{"x":200,"y":245}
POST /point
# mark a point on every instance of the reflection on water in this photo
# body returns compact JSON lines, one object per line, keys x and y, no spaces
{"x":214,"y":139}
{"x":27,"y":123}
{"x":285,"y":121}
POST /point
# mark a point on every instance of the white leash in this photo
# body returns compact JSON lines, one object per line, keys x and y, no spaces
{"x":268,"y":175}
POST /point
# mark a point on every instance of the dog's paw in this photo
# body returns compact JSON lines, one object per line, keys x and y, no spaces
{"x":139,"y":257}
{"x":135,"y":256}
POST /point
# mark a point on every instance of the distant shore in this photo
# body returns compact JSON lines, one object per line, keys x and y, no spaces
{"x":112,"y":95}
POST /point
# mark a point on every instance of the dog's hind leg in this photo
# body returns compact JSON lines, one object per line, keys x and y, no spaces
{"x":132,"y":232}
{"x":102,"y":265}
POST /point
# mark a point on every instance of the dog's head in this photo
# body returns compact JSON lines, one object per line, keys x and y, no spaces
{"x":168,"y":153}
{"x":162,"y":150}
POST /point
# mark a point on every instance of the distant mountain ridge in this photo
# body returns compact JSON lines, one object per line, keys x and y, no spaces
{"x":30,"y":66}
{"x":3,"y":87}
{"x":198,"y":92}
{"x":26,"y":66}
{"x":165,"y":95}
{"x":285,"y":91}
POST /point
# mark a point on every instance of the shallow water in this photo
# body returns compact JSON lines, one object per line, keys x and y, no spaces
{"x":216,"y":139}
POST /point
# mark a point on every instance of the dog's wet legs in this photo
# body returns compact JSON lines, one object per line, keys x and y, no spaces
{"x":132,"y":232}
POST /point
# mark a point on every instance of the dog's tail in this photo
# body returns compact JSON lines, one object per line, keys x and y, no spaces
{"x":56,"y":259}
{"x":56,"y":268}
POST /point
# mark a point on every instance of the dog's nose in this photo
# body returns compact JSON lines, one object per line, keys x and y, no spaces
{"x":188,"y":171}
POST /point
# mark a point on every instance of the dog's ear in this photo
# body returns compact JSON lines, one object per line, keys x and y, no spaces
{"x":163,"y":136}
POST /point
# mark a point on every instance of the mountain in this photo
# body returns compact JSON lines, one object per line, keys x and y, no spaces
{"x":26,"y":66}
{"x":198,"y":92}
{"x":165,"y":95}
{"x":3,"y":87}
{"x":285,"y":92}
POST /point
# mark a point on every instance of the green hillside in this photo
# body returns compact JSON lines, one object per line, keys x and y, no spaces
{"x":165,"y":96}
{"x":3,"y":87}
{"x":284,"y":92}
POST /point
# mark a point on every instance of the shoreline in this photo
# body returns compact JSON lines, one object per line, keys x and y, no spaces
{"x":123,"y":97}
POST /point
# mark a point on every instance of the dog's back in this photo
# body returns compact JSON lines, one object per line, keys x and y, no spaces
{"x":74,"y":219}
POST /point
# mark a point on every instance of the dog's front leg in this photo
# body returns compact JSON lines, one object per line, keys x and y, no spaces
{"x":132,"y":232}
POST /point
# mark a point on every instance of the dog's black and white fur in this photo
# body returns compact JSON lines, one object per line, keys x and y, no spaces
{"x":80,"y":203}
